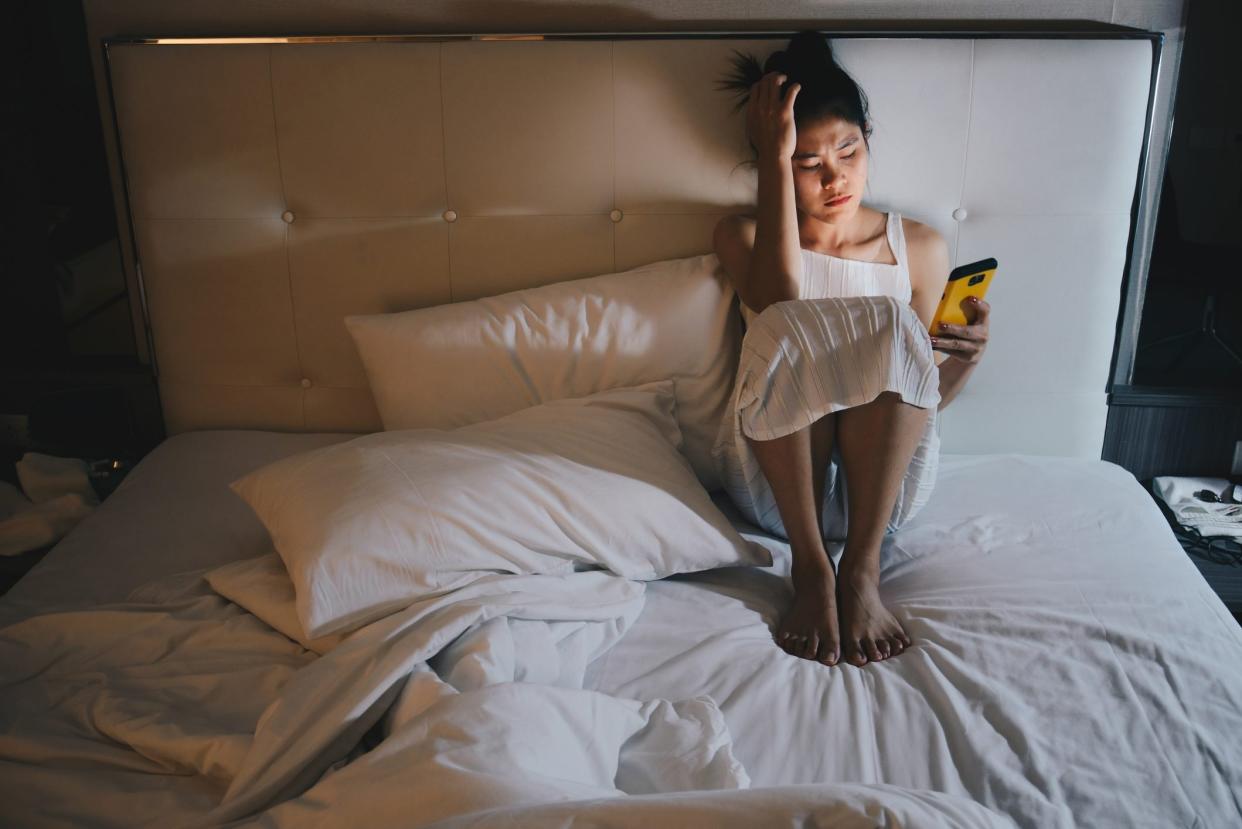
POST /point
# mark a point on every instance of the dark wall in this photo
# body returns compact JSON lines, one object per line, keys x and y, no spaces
{"x":1191,"y":332}
{"x":62,"y":291}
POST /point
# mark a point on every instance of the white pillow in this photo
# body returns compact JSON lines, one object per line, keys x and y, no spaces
{"x":367,"y":526}
{"x":467,"y":362}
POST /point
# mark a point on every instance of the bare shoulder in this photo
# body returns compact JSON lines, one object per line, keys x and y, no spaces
{"x":922,"y":236}
{"x":928,"y":255}
{"x":734,"y":241}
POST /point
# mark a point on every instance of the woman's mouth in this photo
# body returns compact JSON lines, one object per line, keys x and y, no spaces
{"x":838,"y":201}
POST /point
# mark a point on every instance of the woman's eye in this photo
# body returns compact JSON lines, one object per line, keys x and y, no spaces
{"x":817,"y":166}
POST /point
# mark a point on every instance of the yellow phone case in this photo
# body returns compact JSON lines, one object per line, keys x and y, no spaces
{"x":965,"y":281}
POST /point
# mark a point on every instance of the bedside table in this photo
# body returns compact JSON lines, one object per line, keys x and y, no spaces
{"x":105,"y":476}
{"x":1218,"y":558}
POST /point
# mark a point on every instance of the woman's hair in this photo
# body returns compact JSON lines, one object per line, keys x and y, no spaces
{"x":826,"y":90}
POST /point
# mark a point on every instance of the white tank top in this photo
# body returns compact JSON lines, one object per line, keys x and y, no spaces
{"x":825,"y":275}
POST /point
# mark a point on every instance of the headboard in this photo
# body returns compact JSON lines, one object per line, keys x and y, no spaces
{"x":277,"y":186}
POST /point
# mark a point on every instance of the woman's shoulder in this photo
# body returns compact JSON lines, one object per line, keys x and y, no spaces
{"x":925,"y":246}
{"x":920,"y":238}
{"x":919,"y":233}
{"x":927,"y":257}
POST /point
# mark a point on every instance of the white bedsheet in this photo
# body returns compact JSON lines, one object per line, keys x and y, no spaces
{"x":1069,"y":664}
{"x":1070,"y":667}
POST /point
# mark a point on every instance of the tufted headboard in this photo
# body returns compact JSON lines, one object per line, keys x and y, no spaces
{"x":277,"y":186}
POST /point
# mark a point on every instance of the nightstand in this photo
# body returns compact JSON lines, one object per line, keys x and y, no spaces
{"x":105,"y":477}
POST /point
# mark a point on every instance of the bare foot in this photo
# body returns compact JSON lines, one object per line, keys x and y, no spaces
{"x":869,"y":633}
{"x":809,"y":629}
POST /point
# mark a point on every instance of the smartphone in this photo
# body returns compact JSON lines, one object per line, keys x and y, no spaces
{"x":972,"y":279}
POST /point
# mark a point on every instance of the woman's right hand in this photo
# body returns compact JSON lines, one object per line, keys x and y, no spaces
{"x":770,"y":120}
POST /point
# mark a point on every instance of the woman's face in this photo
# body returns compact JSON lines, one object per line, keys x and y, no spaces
{"x":829,"y":169}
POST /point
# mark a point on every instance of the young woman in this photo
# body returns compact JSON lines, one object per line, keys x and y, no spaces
{"x":832,"y":433}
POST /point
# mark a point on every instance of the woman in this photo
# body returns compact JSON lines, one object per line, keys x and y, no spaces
{"x":843,"y":384}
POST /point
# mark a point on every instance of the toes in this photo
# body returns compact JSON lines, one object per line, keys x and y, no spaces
{"x":873,"y":652}
{"x":898,"y":642}
{"x":828,"y":652}
{"x":804,"y":646}
{"x":855,"y":654}
{"x":885,"y":648}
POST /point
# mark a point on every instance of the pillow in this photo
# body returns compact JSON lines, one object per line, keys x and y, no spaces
{"x":468,"y":362}
{"x":367,"y":526}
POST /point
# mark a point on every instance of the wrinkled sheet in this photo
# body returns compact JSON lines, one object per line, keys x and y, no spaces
{"x":465,"y":709}
{"x":1070,"y":667}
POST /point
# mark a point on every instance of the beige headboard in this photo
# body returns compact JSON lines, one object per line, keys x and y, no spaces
{"x":276,"y":187}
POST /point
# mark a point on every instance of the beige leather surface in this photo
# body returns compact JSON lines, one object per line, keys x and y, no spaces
{"x":277,"y":188}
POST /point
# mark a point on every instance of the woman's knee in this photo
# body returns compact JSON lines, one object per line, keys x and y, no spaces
{"x":898,"y":316}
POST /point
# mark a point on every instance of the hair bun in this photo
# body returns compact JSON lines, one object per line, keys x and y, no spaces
{"x":810,"y":50}
{"x":826,"y":89}
{"x":778,"y":61}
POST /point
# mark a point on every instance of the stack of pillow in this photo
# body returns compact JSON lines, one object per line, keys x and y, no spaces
{"x":544,"y":431}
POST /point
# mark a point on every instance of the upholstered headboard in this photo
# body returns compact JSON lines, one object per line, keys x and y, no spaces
{"x":276,"y":187}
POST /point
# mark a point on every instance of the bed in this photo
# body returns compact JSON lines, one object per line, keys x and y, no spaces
{"x":1070,"y":666}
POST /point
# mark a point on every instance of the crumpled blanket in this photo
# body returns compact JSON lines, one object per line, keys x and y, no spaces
{"x":179,"y":708}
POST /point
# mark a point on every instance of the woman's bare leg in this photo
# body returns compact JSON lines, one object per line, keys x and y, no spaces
{"x":877,"y":440}
{"x":795,"y":467}
{"x":823,"y":435}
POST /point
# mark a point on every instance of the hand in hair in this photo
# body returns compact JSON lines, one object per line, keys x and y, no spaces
{"x":770,"y":119}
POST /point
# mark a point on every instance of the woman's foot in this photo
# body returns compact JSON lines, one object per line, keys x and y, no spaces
{"x":869,"y":633}
{"x":810,"y":628}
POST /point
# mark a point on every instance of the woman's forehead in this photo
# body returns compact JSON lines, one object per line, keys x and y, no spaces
{"x":826,"y":133}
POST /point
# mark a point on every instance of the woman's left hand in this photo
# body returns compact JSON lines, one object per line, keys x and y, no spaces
{"x":965,"y":342}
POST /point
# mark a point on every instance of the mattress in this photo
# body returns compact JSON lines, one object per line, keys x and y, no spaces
{"x":1069,"y":665}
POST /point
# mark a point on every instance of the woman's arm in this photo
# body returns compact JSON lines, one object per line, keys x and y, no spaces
{"x":928,"y":256}
{"x":764,"y":258}
{"x":962,"y":346}
{"x":953,"y":375}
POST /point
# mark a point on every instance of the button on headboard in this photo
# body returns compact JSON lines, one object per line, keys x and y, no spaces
{"x":275,"y":188}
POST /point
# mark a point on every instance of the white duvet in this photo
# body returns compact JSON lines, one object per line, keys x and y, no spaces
{"x":1070,"y":668}
{"x":181,"y":709}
